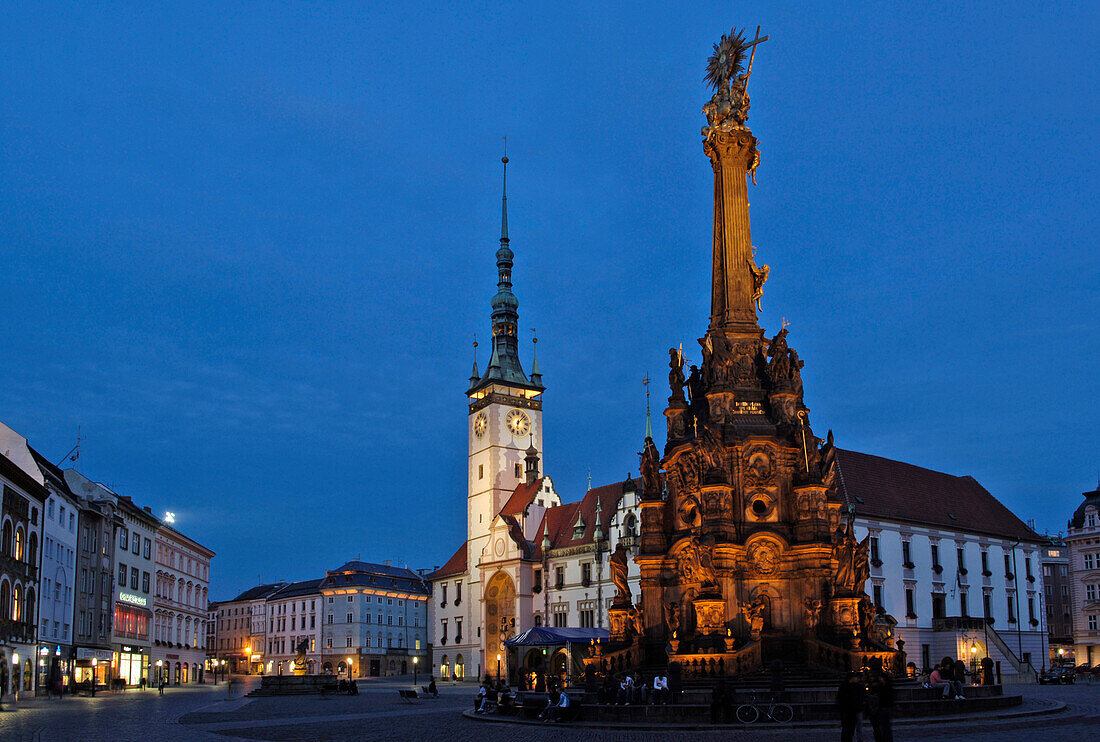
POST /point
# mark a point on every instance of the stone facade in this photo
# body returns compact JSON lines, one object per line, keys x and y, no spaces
{"x":180,"y":600}
{"x":1083,"y":540}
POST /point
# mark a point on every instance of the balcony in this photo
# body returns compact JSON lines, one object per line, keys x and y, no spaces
{"x":959,"y":623}
{"x":18,"y":570}
{"x":17,"y":631}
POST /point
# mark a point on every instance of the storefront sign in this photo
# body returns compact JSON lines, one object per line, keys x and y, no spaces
{"x":103,"y":655}
{"x":172,"y":656}
{"x":133,"y":599}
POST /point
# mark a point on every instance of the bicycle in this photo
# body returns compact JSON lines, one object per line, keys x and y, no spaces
{"x":780,"y":713}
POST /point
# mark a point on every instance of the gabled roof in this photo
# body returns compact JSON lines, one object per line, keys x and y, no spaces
{"x":456,"y":565}
{"x":294,"y":589}
{"x":896,"y":491}
{"x":256,"y":593}
{"x":522,"y":497}
{"x":562,"y":518}
{"x":381,"y":576}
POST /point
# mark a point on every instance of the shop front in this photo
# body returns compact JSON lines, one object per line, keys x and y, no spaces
{"x":131,"y":664}
{"x":131,"y":658}
{"x":54,"y":667}
{"x":92,"y":662}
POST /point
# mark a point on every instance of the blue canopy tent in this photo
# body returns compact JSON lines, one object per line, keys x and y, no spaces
{"x":544,"y":637}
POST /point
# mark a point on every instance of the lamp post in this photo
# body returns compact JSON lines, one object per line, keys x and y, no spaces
{"x":498,"y":667}
{"x":15,"y":675}
{"x":248,"y":659}
{"x":415,"y":660}
{"x":95,"y":662}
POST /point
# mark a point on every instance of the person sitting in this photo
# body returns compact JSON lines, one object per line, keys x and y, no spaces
{"x":353,"y":687}
{"x":554,"y":713}
{"x":626,"y":689}
{"x":431,"y":689}
{"x":660,"y":688}
{"x":481,"y":703}
{"x":941,"y":678}
{"x":504,"y":698}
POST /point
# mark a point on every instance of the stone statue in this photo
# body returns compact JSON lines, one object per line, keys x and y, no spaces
{"x":650,"y":469}
{"x":754,"y":615}
{"x":698,"y":393}
{"x":853,"y":568}
{"x":759,"y":278}
{"x":635,"y":621}
{"x":672,"y":618}
{"x":811,"y":614}
{"x":618,"y":576}
{"x":697,"y":561}
{"x":779,"y":365}
{"x":882,"y":630}
{"x":676,"y":378}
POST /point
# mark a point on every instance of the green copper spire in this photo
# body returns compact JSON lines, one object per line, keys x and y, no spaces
{"x":504,"y":364}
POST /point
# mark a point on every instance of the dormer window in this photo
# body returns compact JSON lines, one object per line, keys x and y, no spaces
{"x":578,"y":527}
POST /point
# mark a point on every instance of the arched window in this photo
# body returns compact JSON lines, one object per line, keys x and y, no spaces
{"x":17,"y":603}
{"x":32,"y":552}
{"x":444,"y":668}
{"x":460,"y":667}
{"x":5,"y":599}
{"x":6,"y":545}
{"x":18,"y":553}
{"x":29,"y":602}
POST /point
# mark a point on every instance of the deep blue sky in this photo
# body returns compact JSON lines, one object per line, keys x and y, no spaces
{"x":247,"y":246}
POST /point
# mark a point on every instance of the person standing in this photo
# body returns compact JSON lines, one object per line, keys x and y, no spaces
{"x":880,"y":705}
{"x":849,"y":702}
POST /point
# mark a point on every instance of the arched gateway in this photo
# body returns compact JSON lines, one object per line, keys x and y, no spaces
{"x":500,"y":621}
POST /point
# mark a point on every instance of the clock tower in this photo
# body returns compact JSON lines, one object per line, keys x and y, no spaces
{"x":505,"y":407}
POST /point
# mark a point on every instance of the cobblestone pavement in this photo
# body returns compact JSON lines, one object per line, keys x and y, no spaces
{"x":205,"y":715}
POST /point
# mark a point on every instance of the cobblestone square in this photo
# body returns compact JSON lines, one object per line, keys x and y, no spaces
{"x":207,"y":715}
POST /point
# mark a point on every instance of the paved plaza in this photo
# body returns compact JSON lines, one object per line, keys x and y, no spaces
{"x":205,"y":714}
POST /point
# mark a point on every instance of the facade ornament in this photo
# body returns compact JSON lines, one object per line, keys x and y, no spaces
{"x":672,"y":619}
{"x":759,"y":275}
{"x":811,"y":608}
{"x":853,"y":565}
{"x":650,"y":469}
{"x":676,"y":378}
{"x":754,"y":616}
{"x":617,"y":562}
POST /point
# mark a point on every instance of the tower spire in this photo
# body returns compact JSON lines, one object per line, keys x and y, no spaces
{"x":648,"y":417}
{"x":475,"y":374}
{"x":504,"y":198}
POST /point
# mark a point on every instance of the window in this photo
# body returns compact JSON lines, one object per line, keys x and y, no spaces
{"x":349,"y":618}
{"x":366,"y":618}
{"x":443,"y":630}
{"x":481,"y":471}
{"x":1027,"y":569}
{"x":876,"y":591}
{"x":559,"y":579}
{"x":1089,"y":563}
{"x":939,"y":605}
{"x":145,"y":582}
{"x":910,"y":606}
{"x":148,"y":546}
{"x":874,"y":549}
{"x":1011,"y":608}
{"x":135,"y":544}
{"x":1092,"y":622}
{"x":586,"y":574}
{"x":985,"y":563}
{"x":444,"y":589}
{"x":538,"y":581}
{"x":350,"y":598}
{"x":519,"y":471}
{"x":347,"y":642}
{"x":1008,"y":566}
{"x":458,"y":628}
{"x":987,"y":606}
{"x":330,"y":619}
{"x":458,"y":593}
{"x":328,"y":642}
{"x":134,"y":577}
{"x":960,"y":558}
{"x":936,"y":557}
{"x":1047,"y":572}
{"x":121,"y":576}
{"x":964,"y":609}
{"x":1090,"y":592}
{"x":123,"y":539}
{"x":1031,"y":609}
{"x":906,"y":556}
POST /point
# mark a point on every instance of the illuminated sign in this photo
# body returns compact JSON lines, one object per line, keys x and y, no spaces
{"x":133,"y":599}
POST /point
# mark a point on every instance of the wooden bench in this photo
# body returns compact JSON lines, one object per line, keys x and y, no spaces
{"x":408,"y":695}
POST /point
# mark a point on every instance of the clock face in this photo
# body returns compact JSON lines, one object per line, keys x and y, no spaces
{"x":518,"y":423}
{"x":481,"y":424}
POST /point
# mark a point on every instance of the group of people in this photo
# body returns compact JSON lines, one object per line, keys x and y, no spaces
{"x":628,"y":688}
{"x":868,"y":693}
{"x":951,"y":676}
{"x":494,"y":697}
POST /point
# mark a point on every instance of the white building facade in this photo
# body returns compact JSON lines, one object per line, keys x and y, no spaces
{"x":1083,"y":541}
{"x":958,"y":571}
{"x":180,"y":598}
{"x":56,"y":601}
{"x":375,"y":621}
{"x":293,"y":616}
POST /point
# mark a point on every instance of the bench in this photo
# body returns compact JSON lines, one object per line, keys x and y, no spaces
{"x":408,"y":695}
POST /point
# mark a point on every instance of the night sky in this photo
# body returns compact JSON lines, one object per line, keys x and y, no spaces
{"x":247,"y":247}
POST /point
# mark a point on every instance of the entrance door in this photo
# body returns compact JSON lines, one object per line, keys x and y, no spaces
{"x":375,"y":668}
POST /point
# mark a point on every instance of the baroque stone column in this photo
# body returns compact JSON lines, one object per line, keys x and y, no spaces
{"x":733,"y":154}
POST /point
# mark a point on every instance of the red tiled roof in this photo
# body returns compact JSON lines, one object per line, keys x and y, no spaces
{"x":563,"y":517}
{"x":896,"y":491}
{"x":521,"y":498}
{"x":456,"y":565}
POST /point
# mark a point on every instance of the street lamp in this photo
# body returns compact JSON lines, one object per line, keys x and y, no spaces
{"x":415,"y":660}
{"x":15,"y":674}
{"x":351,"y":669}
{"x":95,"y":662}
{"x":248,"y":651}
{"x":498,"y":666}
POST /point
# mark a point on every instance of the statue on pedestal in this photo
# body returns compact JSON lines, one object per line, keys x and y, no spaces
{"x":754,"y":615}
{"x":618,"y":576}
{"x":676,"y":378}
